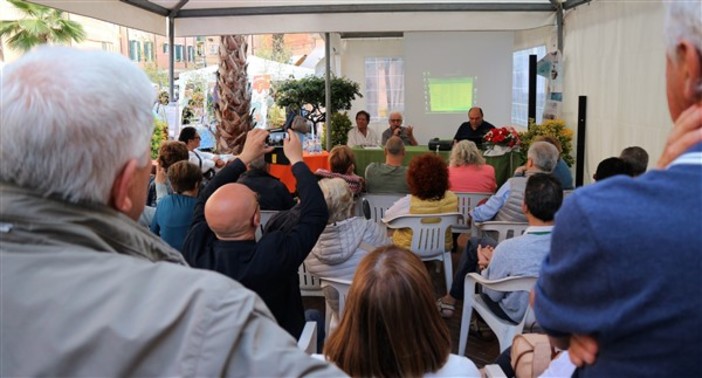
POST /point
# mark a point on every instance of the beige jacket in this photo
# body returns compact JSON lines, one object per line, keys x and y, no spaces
{"x":72,"y":304}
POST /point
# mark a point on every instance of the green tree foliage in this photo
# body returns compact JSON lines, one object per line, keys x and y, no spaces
{"x":157,"y":76}
{"x":340,"y":126}
{"x":159,"y":136}
{"x":39,"y":25}
{"x":309,"y":93}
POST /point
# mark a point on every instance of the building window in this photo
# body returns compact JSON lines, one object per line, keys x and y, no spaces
{"x":149,"y":51}
{"x":520,"y":86}
{"x":107,"y":46}
{"x":135,"y":51}
{"x":178,"y":53}
{"x":385,"y":86}
{"x":165,"y":48}
{"x":191,"y":54}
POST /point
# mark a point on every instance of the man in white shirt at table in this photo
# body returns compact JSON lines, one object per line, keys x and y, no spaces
{"x":362,"y":135}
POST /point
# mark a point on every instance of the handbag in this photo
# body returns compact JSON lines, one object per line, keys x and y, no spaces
{"x":531,"y":354}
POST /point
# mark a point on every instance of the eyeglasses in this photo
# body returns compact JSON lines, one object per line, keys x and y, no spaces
{"x":395,"y":120}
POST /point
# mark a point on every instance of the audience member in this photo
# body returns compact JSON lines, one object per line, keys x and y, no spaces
{"x":637,"y":157}
{"x":427,"y":178}
{"x":169,"y":153}
{"x":222,"y":235}
{"x":468,"y":171}
{"x":362,"y":135}
{"x":561,"y":171}
{"x":506,"y":204}
{"x":390,"y":327}
{"x":621,"y":282}
{"x":519,"y":256}
{"x":85,"y":290}
{"x":272,"y":194}
{"x":175,"y":212}
{"x":343,"y":164}
{"x":344,"y":241}
{"x":396,"y":129}
{"x":611,"y":167}
{"x":475,"y":129}
{"x":205,"y":160}
{"x":388,"y":177}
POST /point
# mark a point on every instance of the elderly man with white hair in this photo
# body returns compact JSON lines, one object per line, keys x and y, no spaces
{"x":506,"y":204}
{"x":86,"y":291}
{"x":621,"y":286}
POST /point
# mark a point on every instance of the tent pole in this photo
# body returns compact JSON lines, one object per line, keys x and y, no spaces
{"x":558,"y":7}
{"x":327,"y":90}
{"x":171,"y":57}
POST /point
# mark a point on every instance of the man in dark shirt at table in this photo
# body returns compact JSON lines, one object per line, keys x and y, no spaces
{"x":474,"y":129}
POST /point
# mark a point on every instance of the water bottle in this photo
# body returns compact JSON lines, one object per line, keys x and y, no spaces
{"x":317,"y":145}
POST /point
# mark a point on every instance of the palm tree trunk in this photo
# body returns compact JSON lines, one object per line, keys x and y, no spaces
{"x":233,"y":106}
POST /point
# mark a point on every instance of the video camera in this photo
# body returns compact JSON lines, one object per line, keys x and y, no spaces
{"x":275,"y":139}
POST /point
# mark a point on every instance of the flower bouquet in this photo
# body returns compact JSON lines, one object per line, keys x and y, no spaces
{"x":500,"y":141}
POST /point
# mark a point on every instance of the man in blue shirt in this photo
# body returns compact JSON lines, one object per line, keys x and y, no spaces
{"x":621,"y":287}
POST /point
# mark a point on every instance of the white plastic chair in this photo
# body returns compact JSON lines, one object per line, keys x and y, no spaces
{"x":310,"y":285}
{"x":342,"y":287}
{"x":308,"y":338}
{"x":504,"y":330}
{"x":505,"y":230}
{"x":467,"y":202}
{"x":266,"y":215}
{"x":375,"y":204}
{"x":429,"y":236}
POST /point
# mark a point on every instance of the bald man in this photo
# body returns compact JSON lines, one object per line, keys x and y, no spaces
{"x":474,"y":129}
{"x":227,"y":214}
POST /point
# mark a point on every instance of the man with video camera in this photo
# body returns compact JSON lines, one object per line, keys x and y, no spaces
{"x":227,"y":214}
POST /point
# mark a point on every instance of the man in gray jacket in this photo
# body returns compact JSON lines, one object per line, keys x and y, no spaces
{"x":86,"y":291}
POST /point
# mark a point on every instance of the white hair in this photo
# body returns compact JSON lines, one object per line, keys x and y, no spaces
{"x":70,"y":120}
{"x":683,"y":20}
{"x":544,"y":155}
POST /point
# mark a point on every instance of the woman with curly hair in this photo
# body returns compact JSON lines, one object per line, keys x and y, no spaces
{"x":468,"y":171}
{"x":390,"y":326}
{"x":428,"y":182}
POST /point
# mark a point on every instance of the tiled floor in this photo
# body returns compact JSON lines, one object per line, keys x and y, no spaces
{"x":480,"y":351}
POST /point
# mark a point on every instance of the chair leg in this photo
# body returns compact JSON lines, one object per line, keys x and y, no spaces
{"x":448,"y":270}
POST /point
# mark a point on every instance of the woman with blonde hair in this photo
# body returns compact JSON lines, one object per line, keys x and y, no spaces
{"x":390,"y":326}
{"x":345,"y":240}
{"x":468,"y":171}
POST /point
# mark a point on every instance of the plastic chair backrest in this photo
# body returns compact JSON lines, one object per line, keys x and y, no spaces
{"x":375,"y":205}
{"x":505,"y":230}
{"x":266,"y":215}
{"x":428,"y":231}
{"x":503,"y":329}
{"x":466,"y":202}
{"x":310,"y":285}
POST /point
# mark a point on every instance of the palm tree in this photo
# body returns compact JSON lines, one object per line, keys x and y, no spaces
{"x":234,"y":95}
{"x":38,"y":26}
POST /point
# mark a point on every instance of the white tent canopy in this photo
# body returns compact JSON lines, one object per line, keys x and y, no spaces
{"x":613,"y":50}
{"x":208,"y":17}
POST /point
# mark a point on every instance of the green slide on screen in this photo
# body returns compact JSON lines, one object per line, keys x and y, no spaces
{"x":450,"y":95}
